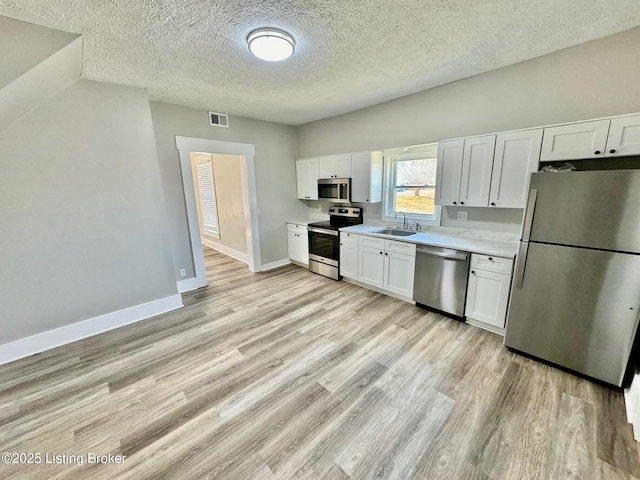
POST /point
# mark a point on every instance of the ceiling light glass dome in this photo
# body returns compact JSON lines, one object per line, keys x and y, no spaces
{"x":270,"y":44}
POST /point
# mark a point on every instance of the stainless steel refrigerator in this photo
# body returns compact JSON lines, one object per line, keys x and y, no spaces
{"x":575,"y":297}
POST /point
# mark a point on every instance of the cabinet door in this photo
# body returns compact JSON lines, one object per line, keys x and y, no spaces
{"x":349,"y":260}
{"x":307,"y":178}
{"x":326,"y":167}
{"x":303,"y":248}
{"x":342,"y":165}
{"x":449,"y":172}
{"x":575,"y":141}
{"x":477,"y":162}
{"x":516,"y":158}
{"x":398,"y":273}
{"x":371,"y":266}
{"x":487,"y":297}
{"x":366,"y":177}
{"x":302,"y":173}
{"x":297,"y":248}
{"x":292,"y":245}
{"x":624,"y":136}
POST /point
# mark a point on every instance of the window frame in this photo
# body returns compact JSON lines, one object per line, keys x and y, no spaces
{"x":392,"y":156}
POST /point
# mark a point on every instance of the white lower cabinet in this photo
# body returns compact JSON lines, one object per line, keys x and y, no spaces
{"x":349,"y":255}
{"x":298,"y":243}
{"x":387,"y":264}
{"x":398,"y":273}
{"x":371,"y":266}
{"x":488,"y":292}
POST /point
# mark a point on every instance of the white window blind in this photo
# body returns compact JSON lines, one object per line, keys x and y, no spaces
{"x":208,"y":198}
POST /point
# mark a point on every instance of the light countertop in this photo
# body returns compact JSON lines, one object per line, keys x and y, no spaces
{"x":306,"y":221}
{"x":467,"y":244}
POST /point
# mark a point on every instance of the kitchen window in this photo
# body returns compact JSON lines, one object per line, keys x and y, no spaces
{"x":410,"y":184}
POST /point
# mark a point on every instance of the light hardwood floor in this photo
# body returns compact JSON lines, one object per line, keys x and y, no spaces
{"x":289,"y":375}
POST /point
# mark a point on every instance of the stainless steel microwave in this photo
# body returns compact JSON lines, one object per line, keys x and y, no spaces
{"x":335,"y":189}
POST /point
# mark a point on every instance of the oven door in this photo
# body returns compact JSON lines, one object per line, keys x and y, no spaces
{"x":324,"y":246}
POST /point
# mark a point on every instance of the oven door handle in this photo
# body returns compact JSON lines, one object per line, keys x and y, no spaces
{"x":320,"y":230}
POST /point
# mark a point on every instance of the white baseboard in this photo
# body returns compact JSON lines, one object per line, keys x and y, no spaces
{"x":276,"y":264}
{"x":243,"y":257}
{"x":632,"y":404}
{"x":40,"y":342}
{"x":190,"y":284}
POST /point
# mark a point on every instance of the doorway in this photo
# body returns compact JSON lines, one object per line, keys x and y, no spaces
{"x":220,"y":205}
{"x":192,"y":147}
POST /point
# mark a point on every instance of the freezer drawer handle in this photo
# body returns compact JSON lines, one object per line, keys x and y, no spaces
{"x":522,"y":261}
{"x":448,"y":255}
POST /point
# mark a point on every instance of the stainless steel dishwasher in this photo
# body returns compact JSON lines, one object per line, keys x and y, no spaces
{"x":441,"y":279}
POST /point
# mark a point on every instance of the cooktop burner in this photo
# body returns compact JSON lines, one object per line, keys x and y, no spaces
{"x":340,"y":217}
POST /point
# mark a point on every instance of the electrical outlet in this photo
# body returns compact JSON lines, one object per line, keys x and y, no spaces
{"x":462,"y":215}
{"x":183,"y":272}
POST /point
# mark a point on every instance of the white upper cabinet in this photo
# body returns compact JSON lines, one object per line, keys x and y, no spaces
{"x":575,"y":141}
{"x":448,"y":172}
{"x":464,"y":171}
{"x":624,"y":136}
{"x":515,"y":159}
{"x":477,"y":163}
{"x":335,"y":166}
{"x":366,"y":177}
{"x":307,"y":175}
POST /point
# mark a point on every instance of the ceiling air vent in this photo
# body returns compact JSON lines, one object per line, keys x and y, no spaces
{"x":219,"y":119}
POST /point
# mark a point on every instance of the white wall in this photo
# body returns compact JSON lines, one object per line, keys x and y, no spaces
{"x":275,"y":175}
{"x":230,"y":200}
{"x":83,"y":223}
{"x":596,"y":79}
{"x":24,"y":45}
{"x":227,"y":177}
{"x":591,"y":80}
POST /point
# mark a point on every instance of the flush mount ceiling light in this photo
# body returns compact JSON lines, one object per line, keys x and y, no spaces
{"x":270,"y":44}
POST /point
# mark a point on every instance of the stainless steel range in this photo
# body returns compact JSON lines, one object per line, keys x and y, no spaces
{"x":324,"y":240}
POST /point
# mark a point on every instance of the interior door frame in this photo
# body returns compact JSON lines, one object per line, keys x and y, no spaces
{"x":185,"y":146}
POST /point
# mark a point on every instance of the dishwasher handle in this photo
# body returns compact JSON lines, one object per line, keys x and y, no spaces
{"x":444,"y":253}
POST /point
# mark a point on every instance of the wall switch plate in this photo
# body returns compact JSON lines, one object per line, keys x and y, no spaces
{"x":462,"y":215}
{"x":183,"y":272}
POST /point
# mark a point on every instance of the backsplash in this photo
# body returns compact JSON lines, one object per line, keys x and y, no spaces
{"x":486,"y":223}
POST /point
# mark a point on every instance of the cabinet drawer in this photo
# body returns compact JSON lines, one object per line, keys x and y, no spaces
{"x":404,"y":248}
{"x":373,"y":242}
{"x":491,"y":264}
{"x":347,"y":238}
{"x":296,"y":228}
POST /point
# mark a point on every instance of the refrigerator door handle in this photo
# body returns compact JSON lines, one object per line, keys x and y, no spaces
{"x":528,"y":216}
{"x":523,"y":249}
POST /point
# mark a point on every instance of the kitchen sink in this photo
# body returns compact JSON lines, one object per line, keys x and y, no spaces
{"x":393,"y":231}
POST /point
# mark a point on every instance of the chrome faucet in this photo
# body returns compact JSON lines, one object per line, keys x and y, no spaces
{"x":404,"y":219}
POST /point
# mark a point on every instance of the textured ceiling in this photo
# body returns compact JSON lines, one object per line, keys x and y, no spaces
{"x":349,"y":54}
